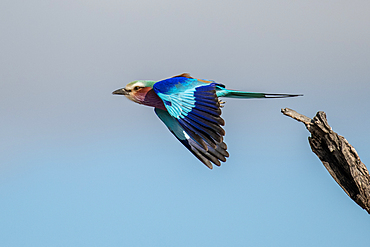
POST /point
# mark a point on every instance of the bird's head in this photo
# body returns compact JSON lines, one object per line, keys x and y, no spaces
{"x":136,"y":90}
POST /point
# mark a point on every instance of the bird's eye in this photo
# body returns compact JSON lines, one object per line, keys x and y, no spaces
{"x":136,"y":88}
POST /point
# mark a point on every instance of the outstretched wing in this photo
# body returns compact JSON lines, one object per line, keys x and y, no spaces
{"x":214,"y":155}
{"x":194,"y":105}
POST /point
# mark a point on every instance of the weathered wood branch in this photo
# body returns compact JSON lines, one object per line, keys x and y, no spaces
{"x":338,"y":156}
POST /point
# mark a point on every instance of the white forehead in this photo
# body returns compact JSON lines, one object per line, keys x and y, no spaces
{"x":135,"y":84}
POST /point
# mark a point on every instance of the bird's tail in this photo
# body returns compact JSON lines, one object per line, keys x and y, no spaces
{"x":240,"y":94}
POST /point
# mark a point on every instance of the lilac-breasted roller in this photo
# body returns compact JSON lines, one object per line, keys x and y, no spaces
{"x":190,"y":108}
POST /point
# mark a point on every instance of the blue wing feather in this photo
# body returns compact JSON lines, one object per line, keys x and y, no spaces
{"x":195,"y":105}
{"x":206,"y":154}
{"x":193,"y":108}
{"x":195,"y":133}
{"x":197,"y":113}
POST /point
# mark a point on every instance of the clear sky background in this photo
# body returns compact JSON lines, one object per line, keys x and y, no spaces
{"x":81,"y":167}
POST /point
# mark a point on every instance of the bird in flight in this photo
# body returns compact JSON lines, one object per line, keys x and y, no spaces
{"x":191,"y":110}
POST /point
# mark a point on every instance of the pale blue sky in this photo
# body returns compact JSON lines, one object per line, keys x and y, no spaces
{"x":81,"y":167}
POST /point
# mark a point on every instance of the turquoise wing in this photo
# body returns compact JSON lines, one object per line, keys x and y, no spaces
{"x":194,"y":105}
{"x":206,"y":156}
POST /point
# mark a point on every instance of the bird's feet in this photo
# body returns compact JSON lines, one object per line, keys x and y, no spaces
{"x":221,"y":103}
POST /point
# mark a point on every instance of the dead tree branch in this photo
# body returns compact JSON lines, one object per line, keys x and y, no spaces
{"x":338,"y":156}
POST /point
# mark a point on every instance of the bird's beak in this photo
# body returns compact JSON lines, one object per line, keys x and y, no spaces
{"x":121,"y":91}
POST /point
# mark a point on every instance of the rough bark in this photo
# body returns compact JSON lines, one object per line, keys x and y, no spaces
{"x":338,"y":156}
